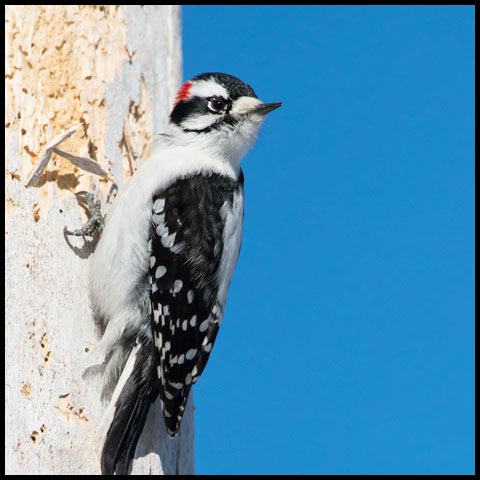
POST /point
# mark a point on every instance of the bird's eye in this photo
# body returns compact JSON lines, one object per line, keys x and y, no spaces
{"x":216,"y":104}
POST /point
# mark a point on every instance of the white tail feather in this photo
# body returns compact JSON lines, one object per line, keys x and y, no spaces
{"x":110,"y":411}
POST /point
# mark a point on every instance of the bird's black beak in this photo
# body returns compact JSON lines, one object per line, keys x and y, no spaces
{"x":265,"y":108}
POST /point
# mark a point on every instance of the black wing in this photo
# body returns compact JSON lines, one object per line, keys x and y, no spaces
{"x":186,"y":251}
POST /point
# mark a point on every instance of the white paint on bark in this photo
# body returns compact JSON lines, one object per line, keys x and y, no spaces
{"x":114,"y":70}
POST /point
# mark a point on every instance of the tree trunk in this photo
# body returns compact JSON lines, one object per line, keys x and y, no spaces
{"x":112,"y":70}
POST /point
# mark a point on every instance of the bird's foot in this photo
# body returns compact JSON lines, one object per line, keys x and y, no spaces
{"x":96,"y":220}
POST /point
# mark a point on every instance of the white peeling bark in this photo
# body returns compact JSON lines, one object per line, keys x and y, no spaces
{"x":113,"y":70}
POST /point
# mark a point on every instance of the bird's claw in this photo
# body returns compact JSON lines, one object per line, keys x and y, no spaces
{"x":96,"y":220}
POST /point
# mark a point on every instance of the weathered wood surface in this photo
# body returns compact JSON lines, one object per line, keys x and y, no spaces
{"x":113,"y":70}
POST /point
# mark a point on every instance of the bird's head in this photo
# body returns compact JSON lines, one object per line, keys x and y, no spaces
{"x":218,"y":112}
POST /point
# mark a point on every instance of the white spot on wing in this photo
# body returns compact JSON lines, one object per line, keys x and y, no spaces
{"x":161,"y":230}
{"x":160,"y":271}
{"x":158,"y":219}
{"x":177,"y":386}
{"x":193,"y":321}
{"x":204,"y":325}
{"x":191,"y":353}
{"x":152,"y":261}
{"x":177,"y":286}
{"x":159,"y":205}
{"x":168,"y":240}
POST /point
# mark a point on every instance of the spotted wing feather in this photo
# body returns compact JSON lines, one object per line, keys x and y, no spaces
{"x":186,"y":252}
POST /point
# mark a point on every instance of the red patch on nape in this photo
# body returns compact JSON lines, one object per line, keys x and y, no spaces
{"x":184,"y":92}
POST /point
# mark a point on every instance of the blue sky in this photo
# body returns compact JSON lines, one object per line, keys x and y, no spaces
{"x":348,"y":342}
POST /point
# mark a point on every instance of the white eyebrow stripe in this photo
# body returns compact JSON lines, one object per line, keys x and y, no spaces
{"x":208,"y":88}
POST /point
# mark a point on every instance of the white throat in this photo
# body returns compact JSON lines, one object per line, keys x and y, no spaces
{"x":228,"y":144}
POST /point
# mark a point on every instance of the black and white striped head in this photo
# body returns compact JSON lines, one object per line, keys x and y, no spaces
{"x":220,"y":111}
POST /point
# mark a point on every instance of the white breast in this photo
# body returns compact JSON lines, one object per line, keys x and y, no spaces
{"x":232,"y":238}
{"x":119,"y":265}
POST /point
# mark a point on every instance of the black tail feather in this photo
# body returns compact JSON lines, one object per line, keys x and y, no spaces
{"x":131,"y":410}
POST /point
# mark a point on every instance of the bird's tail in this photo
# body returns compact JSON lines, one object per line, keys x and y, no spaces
{"x":128,"y":409}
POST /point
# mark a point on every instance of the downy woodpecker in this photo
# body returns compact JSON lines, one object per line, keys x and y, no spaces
{"x":161,"y":270}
